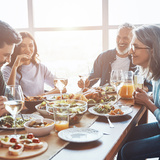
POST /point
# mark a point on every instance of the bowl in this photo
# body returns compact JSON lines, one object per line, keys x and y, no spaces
{"x":41,"y":131}
{"x":41,"y":108}
{"x":31,"y":104}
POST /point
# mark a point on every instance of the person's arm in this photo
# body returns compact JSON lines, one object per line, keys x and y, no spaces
{"x":18,"y":62}
{"x":141,"y":97}
{"x":2,"y":106}
{"x":55,"y":91}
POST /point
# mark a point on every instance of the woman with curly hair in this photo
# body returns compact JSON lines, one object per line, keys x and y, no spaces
{"x":25,"y":70}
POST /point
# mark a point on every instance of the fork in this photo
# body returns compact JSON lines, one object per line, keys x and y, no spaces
{"x":110,"y":123}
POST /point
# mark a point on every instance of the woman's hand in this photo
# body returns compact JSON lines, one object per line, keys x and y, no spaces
{"x":2,"y":106}
{"x":21,"y":59}
{"x":140,"y":96}
{"x":81,"y":83}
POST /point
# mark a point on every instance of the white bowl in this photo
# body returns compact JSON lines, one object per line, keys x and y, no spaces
{"x":40,"y":131}
{"x":43,"y":111}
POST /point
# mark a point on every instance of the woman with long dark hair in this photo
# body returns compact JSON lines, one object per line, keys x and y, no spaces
{"x":25,"y":69}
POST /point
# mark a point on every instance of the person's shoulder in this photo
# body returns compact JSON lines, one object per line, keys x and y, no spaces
{"x":6,"y":68}
{"x":109,"y":52}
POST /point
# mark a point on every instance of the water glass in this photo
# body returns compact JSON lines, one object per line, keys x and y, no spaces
{"x":61,"y":116}
{"x":138,"y":81}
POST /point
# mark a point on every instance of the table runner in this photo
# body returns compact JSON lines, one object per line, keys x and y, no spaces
{"x":55,"y":144}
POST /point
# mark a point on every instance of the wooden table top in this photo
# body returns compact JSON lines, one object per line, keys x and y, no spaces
{"x":108,"y":146}
{"x":104,"y":148}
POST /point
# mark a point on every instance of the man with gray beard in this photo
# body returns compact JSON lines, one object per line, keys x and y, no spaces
{"x":115,"y":59}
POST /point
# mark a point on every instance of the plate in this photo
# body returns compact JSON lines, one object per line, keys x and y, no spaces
{"x":80,"y":135}
{"x":125,"y":109}
{"x":27,"y":117}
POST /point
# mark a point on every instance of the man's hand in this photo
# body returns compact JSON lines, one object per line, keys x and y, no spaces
{"x":81,"y":83}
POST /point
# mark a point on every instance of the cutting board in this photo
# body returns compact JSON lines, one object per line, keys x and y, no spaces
{"x":27,"y":153}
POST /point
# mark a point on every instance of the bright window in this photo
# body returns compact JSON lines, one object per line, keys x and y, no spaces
{"x":14,"y":12}
{"x":67,"y":13}
{"x":134,"y":11}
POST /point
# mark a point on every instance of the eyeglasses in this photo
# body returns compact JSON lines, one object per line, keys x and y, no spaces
{"x":134,"y":48}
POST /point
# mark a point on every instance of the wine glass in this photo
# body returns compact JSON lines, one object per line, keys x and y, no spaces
{"x":60,"y":81}
{"x":117,"y":80}
{"x":15,"y":101}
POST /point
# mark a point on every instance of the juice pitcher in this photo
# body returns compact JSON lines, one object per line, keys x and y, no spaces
{"x":127,"y":89}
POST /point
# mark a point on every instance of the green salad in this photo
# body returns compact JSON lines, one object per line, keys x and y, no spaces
{"x":8,"y":122}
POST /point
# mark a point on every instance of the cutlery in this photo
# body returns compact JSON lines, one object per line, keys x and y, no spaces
{"x":26,"y":97}
{"x":110,"y":123}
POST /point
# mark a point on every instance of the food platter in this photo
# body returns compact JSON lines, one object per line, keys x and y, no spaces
{"x":26,"y":153}
{"x":125,"y":109}
{"x":80,"y":135}
{"x":26,"y":117}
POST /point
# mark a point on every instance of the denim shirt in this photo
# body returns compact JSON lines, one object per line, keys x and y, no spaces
{"x":102,"y":67}
{"x":156,"y":97}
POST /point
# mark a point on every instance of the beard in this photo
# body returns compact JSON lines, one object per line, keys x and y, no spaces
{"x":124,"y":51}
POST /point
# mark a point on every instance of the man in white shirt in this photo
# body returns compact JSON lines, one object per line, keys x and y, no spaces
{"x":115,"y":59}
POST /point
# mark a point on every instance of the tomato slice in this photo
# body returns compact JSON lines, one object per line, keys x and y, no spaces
{"x":36,"y":140}
{"x":13,"y":140}
{"x":30,"y":135}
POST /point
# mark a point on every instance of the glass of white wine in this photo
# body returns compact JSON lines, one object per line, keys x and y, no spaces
{"x":60,"y":81}
{"x":15,"y":101}
{"x":117,"y":80}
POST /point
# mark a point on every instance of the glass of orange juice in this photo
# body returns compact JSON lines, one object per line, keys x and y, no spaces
{"x":61,"y":116}
{"x":126,"y":91}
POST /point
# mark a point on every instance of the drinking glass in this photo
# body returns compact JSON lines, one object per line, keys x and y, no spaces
{"x":60,"y":110}
{"x":61,"y":116}
{"x":138,"y":81}
{"x":15,"y":101}
{"x":117,"y":80}
{"x":60,"y":81}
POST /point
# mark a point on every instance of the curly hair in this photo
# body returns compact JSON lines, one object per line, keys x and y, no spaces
{"x":34,"y":58}
{"x":149,"y":35}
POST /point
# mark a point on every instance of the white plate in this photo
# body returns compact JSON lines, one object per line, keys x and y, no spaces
{"x":26,"y":117}
{"x":80,"y":135}
{"x":125,"y":109}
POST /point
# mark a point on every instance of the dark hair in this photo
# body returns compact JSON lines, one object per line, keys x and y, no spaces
{"x":8,"y":35}
{"x":16,"y":52}
{"x":149,"y":35}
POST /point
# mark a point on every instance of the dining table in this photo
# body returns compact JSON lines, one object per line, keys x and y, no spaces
{"x":106,"y":147}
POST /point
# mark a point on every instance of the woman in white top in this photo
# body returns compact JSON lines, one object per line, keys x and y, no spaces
{"x":25,"y":70}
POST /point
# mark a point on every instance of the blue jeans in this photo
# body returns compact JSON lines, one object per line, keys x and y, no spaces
{"x":142,"y":143}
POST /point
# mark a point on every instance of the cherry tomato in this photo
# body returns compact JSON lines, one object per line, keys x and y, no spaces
{"x":36,"y":140}
{"x":30,"y":135}
{"x":13,"y":140}
{"x":17,"y":146}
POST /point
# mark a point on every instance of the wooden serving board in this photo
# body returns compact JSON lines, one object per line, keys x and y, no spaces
{"x":4,"y":153}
